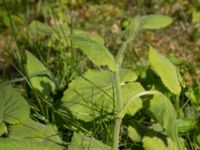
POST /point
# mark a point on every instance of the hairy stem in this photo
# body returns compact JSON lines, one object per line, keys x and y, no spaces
{"x":116,"y":133}
{"x":118,"y":104}
{"x":120,"y":54}
{"x":132,"y":31}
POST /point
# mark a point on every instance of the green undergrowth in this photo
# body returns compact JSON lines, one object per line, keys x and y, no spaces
{"x":71,"y":92}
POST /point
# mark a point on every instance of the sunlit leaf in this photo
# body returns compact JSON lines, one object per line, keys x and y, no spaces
{"x":38,"y":74}
{"x":26,"y":144}
{"x":86,"y":97}
{"x":92,"y":95}
{"x":95,"y":51}
{"x":34,"y":130}
{"x":163,"y":111}
{"x":127,"y":75}
{"x":39,"y":29}
{"x":186,"y":124}
{"x":127,"y":92}
{"x":154,"y":142}
{"x":61,"y":33}
{"x":165,"y":70}
{"x":13,"y":107}
{"x":95,"y":37}
{"x":81,"y":142}
{"x":3,"y":128}
{"x":134,"y":135}
{"x":155,"y":21}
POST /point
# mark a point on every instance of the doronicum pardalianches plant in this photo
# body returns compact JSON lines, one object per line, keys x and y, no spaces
{"x":108,"y":93}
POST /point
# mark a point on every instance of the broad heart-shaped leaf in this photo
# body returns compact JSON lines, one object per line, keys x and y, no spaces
{"x":91,"y":95}
{"x":13,"y":107}
{"x":165,"y":70}
{"x":26,"y":144}
{"x":81,"y":142}
{"x":95,"y":51}
{"x":155,"y":21}
{"x":164,"y":113}
{"x":34,"y":130}
{"x":38,"y":74}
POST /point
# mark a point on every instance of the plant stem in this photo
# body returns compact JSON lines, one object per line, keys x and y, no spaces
{"x":116,"y":133}
{"x":118,"y":104}
{"x":133,"y":30}
{"x":120,"y":54}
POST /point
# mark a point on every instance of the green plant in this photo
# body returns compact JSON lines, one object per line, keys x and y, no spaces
{"x":95,"y":96}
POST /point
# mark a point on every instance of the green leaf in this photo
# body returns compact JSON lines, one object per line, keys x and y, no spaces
{"x":127,"y":92}
{"x":87,"y":95}
{"x":154,"y":142}
{"x":39,"y":29}
{"x":198,"y":139}
{"x":191,"y":112}
{"x":139,"y":23}
{"x":165,"y":70}
{"x":134,"y":102}
{"x":3,"y":128}
{"x":155,"y":21}
{"x":164,"y":113}
{"x":38,"y":74}
{"x":13,"y":107}
{"x":194,"y":94}
{"x":139,"y":129}
{"x":91,"y":95}
{"x":81,"y":142}
{"x":16,"y":20}
{"x":34,"y":130}
{"x":26,"y":144}
{"x":157,"y":127}
{"x":95,"y":51}
{"x":134,"y":135}
{"x":92,"y":36}
{"x":62,"y":32}
{"x":127,"y":75}
{"x":185,"y":124}
{"x":151,"y":139}
{"x":174,"y":60}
